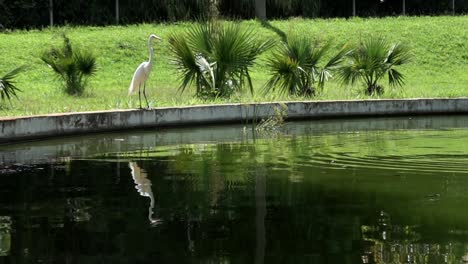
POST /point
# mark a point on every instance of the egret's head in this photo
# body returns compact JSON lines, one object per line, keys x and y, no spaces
{"x":152,"y":36}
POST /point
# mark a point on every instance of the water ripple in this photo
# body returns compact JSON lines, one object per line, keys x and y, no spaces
{"x":420,"y":163}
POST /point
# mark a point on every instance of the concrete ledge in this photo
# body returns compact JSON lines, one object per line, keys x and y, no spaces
{"x":24,"y":128}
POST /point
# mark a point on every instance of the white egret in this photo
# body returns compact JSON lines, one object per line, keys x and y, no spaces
{"x":142,"y":73}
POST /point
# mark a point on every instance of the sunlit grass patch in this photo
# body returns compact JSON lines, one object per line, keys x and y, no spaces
{"x":439,"y":67}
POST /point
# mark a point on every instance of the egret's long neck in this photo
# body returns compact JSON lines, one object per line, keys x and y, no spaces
{"x":150,"y":49}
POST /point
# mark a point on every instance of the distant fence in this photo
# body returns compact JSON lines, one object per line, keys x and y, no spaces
{"x":40,"y":13}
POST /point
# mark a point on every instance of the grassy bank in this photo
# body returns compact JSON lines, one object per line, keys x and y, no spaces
{"x":439,"y":67}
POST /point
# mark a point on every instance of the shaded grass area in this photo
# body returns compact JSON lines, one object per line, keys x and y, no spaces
{"x":439,"y":67}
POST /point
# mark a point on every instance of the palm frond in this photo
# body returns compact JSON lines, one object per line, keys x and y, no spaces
{"x":8,"y":88}
{"x":338,"y":58}
{"x":296,"y":69}
{"x":205,"y":67}
{"x":264,"y":45}
{"x":200,"y":37}
{"x":184,"y":59}
{"x":226,"y":51}
{"x":333,"y":64}
{"x":371,"y":61}
{"x":67,"y":47}
{"x":398,"y":54}
{"x":395,"y":78}
{"x":317,"y":53}
{"x":50,"y":59}
{"x":249,"y":80}
{"x":71,"y":65}
{"x":350,"y":74}
{"x":285,"y":73}
{"x":86,"y":63}
{"x":300,"y":49}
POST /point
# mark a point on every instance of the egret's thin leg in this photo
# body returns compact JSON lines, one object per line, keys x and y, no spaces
{"x":139,"y":94}
{"x":144,"y":93}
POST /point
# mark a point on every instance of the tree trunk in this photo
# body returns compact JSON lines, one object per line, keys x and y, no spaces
{"x":214,"y":11}
{"x":260,"y":206}
{"x":117,"y":9}
{"x":51,"y":13}
{"x":260,"y":9}
{"x":404,"y":7}
{"x":354,"y":8}
{"x":453,"y":7}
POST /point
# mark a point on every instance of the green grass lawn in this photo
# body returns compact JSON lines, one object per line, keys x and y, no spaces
{"x":439,"y":67}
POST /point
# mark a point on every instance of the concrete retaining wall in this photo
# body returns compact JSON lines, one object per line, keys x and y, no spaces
{"x":24,"y":128}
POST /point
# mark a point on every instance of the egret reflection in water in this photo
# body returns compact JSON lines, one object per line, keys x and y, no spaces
{"x":143,"y":186}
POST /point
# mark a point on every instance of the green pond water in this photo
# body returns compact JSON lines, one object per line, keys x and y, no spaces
{"x":387,"y":190}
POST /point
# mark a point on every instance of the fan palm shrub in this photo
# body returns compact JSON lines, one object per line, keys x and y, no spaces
{"x":299,"y":66}
{"x":73,"y":66}
{"x":8,"y":88}
{"x":371,"y":60}
{"x":216,"y":57}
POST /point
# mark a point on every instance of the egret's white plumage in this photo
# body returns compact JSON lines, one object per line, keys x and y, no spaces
{"x":142,"y":72}
{"x":140,"y":76}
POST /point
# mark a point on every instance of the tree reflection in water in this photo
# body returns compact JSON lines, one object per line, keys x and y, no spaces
{"x":395,"y":244}
{"x":5,"y":235}
{"x":309,"y":199}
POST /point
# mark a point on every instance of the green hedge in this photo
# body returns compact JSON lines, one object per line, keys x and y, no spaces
{"x":35,"y":13}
